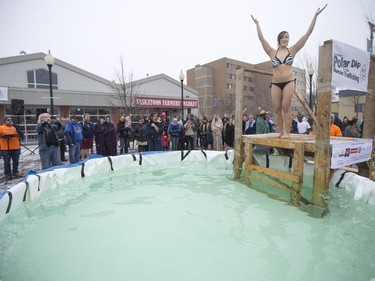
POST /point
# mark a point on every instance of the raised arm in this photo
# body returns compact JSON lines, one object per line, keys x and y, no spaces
{"x":266,"y":46}
{"x":301,"y":42}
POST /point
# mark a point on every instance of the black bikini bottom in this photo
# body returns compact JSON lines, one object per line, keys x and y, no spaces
{"x":281,"y":85}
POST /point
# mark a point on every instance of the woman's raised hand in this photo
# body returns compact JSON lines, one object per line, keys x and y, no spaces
{"x":320,"y":10}
{"x":255,"y":20}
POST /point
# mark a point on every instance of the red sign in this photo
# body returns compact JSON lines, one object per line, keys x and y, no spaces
{"x":164,"y":103}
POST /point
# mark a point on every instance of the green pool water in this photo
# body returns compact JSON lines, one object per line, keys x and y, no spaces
{"x":183,"y":222}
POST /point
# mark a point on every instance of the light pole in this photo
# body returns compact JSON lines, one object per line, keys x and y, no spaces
{"x":372,"y":29}
{"x":182,"y":78}
{"x":50,"y":60}
{"x":310,"y":71}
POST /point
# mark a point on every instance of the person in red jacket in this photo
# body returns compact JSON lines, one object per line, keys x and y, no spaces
{"x":10,"y":147}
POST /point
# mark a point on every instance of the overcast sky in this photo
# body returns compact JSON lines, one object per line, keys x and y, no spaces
{"x":165,"y":36}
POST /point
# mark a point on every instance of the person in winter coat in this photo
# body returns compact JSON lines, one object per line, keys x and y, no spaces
{"x":140,"y":134}
{"x":48,"y":142}
{"x":217,"y":131}
{"x":60,"y":130}
{"x":174,"y":130}
{"x":229,"y":133}
{"x":124,"y":127}
{"x":110,"y":140}
{"x":74,"y":137}
{"x":99,"y":136}
{"x":88,"y":135}
{"x":154,"y":130}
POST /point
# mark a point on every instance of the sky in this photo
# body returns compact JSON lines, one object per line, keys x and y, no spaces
{"x":154,"y":36}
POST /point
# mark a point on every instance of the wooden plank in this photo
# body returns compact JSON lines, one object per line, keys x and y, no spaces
{"x":271,"y":172}
{"x":322,"y":129}
{"x":270,"y":181}
{"x":258,"y":71}
{"x":238,"y":145}
{"x":295,"y":196}
{"x":249,"y":157}
{"x":305,"y":105}
{"x":281,"y":143}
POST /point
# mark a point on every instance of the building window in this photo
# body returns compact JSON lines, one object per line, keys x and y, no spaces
{"x":95,"y":113}
{"x":232,"y":76}
{"x":229,"y":65}
{"x":360,"y":107}
{"x":39,"y":79}
{"x":230,"y":86}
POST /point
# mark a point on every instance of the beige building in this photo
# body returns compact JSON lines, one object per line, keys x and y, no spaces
{"x":216,"y":83}
{"x":351,"y":103}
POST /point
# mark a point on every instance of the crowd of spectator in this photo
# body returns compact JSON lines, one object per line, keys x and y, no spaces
{"x":82,"y":138}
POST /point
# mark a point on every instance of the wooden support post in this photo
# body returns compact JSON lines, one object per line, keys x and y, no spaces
{"x":323,"y":155}
{"x":238,"y":145}
{"x":295,"y":195}
{"x":305,"y":105}
{"x":369,"y":118}
{"x":248,"y":161}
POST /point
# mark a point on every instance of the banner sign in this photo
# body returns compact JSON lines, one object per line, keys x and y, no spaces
{"x":3,"y":93}
{"x":350,"y":67}
{"x":164,"y":103}
{"x":348,"y":153}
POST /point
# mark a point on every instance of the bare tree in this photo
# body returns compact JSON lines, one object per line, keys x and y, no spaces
{"x":262,"y":95}
{"x":203,"y":104}
{"x":125,"y":90}
{"x":305,"y":61}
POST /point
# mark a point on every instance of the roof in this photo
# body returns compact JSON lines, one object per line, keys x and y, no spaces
{"x":41,"y":56}
{"x":166,"y":77}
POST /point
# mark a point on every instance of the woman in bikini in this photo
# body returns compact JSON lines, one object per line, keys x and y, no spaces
{"x":282,"y":88}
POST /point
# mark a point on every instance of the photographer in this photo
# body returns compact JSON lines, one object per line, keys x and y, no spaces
{"x":48,"y":142}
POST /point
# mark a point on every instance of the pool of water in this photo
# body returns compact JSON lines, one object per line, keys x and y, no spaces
{"x":182,"y":222}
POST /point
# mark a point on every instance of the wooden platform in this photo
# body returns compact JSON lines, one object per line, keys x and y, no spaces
{"x":298,"y":145}
{"x":307,"y":140}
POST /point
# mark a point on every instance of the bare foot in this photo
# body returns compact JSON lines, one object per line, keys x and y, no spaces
{"x":285,"y":136}
{"x":278,"y":135}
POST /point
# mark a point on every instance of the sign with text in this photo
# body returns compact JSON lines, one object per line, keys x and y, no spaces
{"x":164,"y":103}
{"x":3,"y":93}
{"x":350,"y":67}
{"x":348,"y":153}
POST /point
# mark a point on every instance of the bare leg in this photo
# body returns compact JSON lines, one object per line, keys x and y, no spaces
{"x":277,"y":97}
{"x":287,"y":108}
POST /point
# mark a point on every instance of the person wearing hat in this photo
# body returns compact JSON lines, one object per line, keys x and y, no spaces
{"x":74,"y":137}
{"x":302,"y":125}
{"x":261,"y":123}
{"x":10,"y":147}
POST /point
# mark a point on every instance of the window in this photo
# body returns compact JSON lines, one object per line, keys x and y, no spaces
{"x":232,"y":76}
{"x":230,"y":86}
{"x":229,"y":65}
{"x":248,"y":79}
{"x":94,"y":113}
{"x":360,"y":107}
{"x":39,"y":79}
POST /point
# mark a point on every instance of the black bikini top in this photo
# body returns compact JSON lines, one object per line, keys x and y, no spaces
{"x":288,"y":60}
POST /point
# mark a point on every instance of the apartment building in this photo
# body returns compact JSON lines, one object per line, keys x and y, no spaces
{"x":216,"y":83}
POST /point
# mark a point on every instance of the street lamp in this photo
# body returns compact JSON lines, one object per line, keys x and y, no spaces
{"x":310,"y":71}
{"x":182,"y":78}
{"x":372,"y":29}
{"x":50,"y":60}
